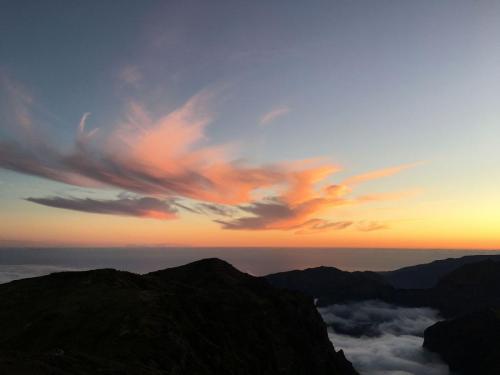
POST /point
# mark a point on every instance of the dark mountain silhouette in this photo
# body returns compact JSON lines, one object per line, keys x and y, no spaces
{"x":423,"y":276}
{"x":331,"y":285}
{"x":470,"y":344}
{"x":469,"y":287}
{"x":202,"y":318}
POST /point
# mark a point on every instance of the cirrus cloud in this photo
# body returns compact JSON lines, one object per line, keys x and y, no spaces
{"x":274,"y":114}
{"x":169,"y":163}
{"x":146,"y":207}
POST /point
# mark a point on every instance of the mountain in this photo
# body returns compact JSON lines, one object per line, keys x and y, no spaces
{"x":469,"y":340}
{"x":469,"y":287}
{"x":424,"y":276}
{"x":470,"y":344}
{"x":202,"y":318}
{"x":331,"y":285}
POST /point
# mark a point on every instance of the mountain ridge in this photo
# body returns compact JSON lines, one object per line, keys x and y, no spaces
{"x":201,"y":318}
{"x":427,"y":275}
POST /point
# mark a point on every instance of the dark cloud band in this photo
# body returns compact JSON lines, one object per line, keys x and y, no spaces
{"x":139,"y":207}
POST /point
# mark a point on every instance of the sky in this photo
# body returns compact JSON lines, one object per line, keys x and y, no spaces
{"x":265,"y":123}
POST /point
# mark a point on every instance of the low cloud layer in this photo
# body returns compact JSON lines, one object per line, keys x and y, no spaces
{"x":168,"y":158}
{"x":383,"y":339}
{"x":373,"y":318}
{"x":22,"y":271}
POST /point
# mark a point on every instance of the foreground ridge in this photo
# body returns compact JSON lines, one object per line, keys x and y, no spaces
{"x":202,"y":318}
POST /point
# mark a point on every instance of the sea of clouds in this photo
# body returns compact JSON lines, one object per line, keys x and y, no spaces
{"x":22,"y":271}
{"x":383,"y":339}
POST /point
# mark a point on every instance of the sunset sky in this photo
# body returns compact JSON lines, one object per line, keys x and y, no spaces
{"x":250,"y":123}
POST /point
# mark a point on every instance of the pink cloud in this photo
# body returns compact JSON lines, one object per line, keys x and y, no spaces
{"x":18,"y":102}
{"x":380,"y":173}
{"x":170,"y":157}
{"x":297,"y":207}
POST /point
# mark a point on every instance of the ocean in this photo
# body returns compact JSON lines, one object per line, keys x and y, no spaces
{"x":17,"y":263}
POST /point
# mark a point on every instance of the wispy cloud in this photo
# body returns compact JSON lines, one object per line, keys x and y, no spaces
{"x":168,"y":161}
{"x":380,"y":173}
{"x":298,"y":206}
{"x":274,"y":114}
{"x":18,"y":102}
{"x":145,"y":207}
{"x":215,"y":209}
{"x":166,"y":156}
{"x":130,"y":75}
{"x":370,"y":226}
{"x":314,"y":226}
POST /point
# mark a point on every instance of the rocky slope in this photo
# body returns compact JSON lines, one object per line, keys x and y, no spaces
{"x":202,"y":318}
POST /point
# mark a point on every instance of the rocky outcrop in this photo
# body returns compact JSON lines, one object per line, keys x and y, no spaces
{"x":202,"y":318}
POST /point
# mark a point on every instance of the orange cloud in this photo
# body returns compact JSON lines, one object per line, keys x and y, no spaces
{"x":314,"y":226}
{"x":370,"y":226}
{"x":379,"y":173}
{"x":297,"y":207}
{"x":161,"y":157}
{"x":168,"y":158}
